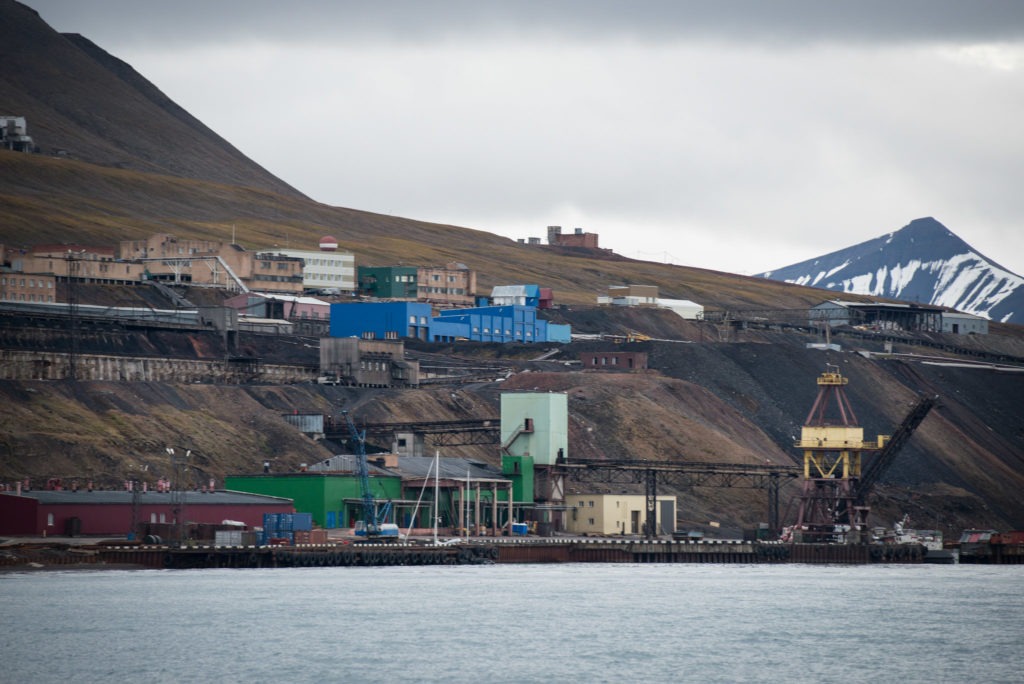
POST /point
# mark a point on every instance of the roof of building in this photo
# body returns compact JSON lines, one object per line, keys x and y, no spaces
{"x":450,"y":468}
{"x":677,"y":302}
{"x":289,"y":298}
{"x":410,"y":467}
{"x":53,"y":497}
{"x":878,"y":305}
{"x":515,"y":291}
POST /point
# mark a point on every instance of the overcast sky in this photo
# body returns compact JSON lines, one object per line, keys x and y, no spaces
{"x":740,"y":136}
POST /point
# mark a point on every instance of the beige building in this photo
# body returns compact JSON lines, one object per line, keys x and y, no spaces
{"x":610,"y":514}
{"x":19,"y":287}
{"x":453,"y":284}
{"x":211,"y":263}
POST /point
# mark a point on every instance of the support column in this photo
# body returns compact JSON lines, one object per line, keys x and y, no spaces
{"x":773,"y":505}
{"x":494,"y":509}
{"x":476,"y":508}
{"x":651,"y":522}
{"x":510,"y":509}
{"x":462,"y":510}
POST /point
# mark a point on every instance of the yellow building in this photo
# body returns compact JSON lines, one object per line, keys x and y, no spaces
{"x":611,"y":514}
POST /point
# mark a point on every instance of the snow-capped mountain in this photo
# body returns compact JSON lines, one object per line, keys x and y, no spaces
{"x":922,"y":262}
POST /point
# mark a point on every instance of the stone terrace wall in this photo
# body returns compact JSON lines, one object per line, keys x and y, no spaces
{"x":27,"y":365}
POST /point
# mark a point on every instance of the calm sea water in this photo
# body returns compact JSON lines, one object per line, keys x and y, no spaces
{"x":508,"y":623}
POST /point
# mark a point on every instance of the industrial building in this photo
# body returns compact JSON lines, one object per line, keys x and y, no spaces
{"x":609,"y":514}
{"x":877,"y":315}
{"x":647,"y":295}
{"x":515,"y":295}
{"x":388,"y":282}
{"x":71,"y":512}
{"x":959,"y":323}
{"x":366,"y":363}
{"x":14,"y":134}
{"x":577,"y":238}
{"x":497,"y":324}
{"x":613,"y":361}
{"x":395,"y":320}
{"x":381,"y":320}
{"x":280,"y":306}
{"x":471,"y":495}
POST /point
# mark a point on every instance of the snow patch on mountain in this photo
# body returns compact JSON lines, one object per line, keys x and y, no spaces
{"x":922,"y":262}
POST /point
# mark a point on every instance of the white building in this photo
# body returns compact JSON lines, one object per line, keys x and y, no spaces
{"x":963,"y":323}
{"x":326,"y":269}
{"x":691,"y":311}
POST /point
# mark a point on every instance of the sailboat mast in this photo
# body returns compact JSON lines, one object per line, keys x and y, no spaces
{"x":437,"y":488}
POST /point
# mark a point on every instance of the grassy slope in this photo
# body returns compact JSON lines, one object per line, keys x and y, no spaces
{"x":58,"y":200}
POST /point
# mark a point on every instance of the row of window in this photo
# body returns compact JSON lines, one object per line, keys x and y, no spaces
{"x":324,"y":276}
{"x":444,"y":290}
{"x":330,"y":263}
{"x":497,"y":331}
{"x":31,"y":298}
{"x":20,"y":282}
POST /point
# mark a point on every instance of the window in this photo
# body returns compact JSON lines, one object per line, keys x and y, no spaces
{"x":590,"y":504}
{"x":590,"y":521}
{"x":49,"y":519}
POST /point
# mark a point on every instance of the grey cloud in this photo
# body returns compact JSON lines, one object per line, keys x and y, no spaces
{"x":780,"y":22}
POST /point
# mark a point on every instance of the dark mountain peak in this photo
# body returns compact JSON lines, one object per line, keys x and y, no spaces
{"x":921,"y":262}
{"x":91,"y":106}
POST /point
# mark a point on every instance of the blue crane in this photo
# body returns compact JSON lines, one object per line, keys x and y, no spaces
{"x":373,"y":521}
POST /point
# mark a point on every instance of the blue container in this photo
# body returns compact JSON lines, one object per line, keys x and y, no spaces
{"x":302,"y":522}
{"x":520,"y":528}
{"x":271,"y":521}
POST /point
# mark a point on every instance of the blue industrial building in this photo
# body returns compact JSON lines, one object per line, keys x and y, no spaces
{"x":395,"y":320}
{"x":497,"y":324}
{"x":381,"y":320}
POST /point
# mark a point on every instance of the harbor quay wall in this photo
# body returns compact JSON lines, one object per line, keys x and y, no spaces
{"x":470,"y":552}
{"x":40,"y":365}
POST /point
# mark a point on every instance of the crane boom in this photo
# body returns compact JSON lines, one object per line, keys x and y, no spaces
{"x":876,"y":469}
{"x":371,"y":523}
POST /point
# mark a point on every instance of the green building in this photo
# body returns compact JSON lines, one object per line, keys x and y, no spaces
{"x":535,"y":424}
{"x":471,"y":495}
{"x":388,"y":282}
{"x":334,"y":498}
